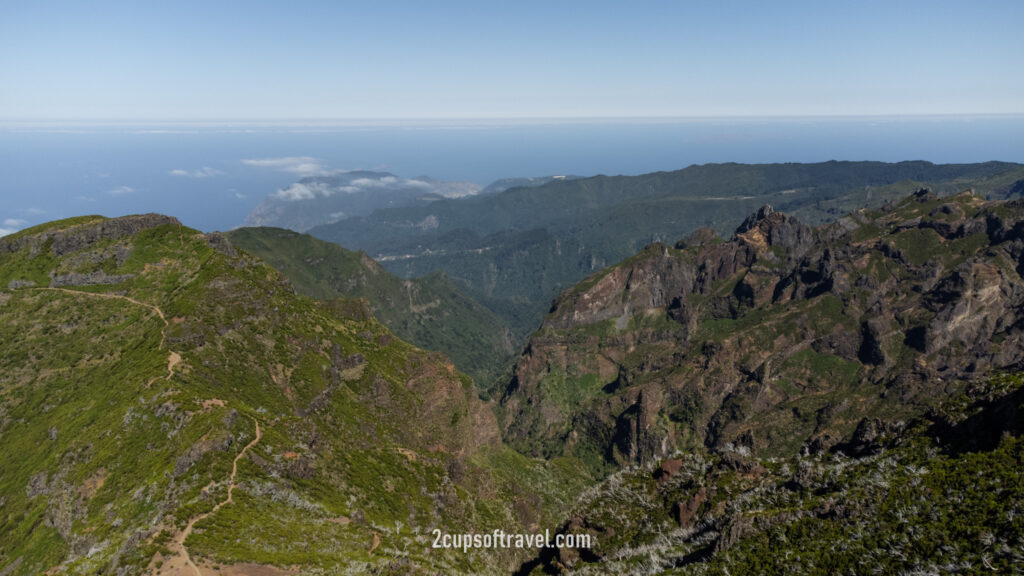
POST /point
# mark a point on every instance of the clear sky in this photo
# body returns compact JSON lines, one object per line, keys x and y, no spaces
{"x":223,"y":60}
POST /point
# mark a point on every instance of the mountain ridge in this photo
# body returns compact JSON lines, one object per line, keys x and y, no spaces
{"x":516,"y":250}
{"x":142,"y":360}
{"x":778,"y":337}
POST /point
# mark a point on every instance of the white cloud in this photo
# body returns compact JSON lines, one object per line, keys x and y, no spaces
{"x":239,"y":195}
{"x":311,"y":190}
{"x":121,"y":190}
{"x":204,"y":172}
{"x":302,"y":165}
{"x":381,"y":182}
{"x":34,"y":211}
{"x":12,"y":225}
{"x":297,"y":191}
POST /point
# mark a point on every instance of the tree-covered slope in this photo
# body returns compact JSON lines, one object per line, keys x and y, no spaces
{"x":167,"y":402}
{"x":430,"y":312}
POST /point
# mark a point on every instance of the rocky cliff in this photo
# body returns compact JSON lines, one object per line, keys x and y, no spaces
{"x":781,"y":337}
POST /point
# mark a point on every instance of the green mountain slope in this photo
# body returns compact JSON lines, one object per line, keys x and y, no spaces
{"x":429,"y":312}
{"x":515,"y":250}
{"x":167,"y":401}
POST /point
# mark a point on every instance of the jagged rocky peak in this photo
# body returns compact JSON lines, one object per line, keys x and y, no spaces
{"x":659,"y":275}
{"x":766,"y":228}
{"x":781,"y":336}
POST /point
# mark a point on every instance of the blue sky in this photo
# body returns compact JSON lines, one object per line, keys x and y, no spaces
{"x":254,"y":60}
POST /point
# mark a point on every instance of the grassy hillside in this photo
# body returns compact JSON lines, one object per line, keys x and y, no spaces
{"x":429,"y":312}
{"x":168,"y":401}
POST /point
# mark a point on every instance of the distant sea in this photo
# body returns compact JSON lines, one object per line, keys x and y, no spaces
{"x":198,"y":171}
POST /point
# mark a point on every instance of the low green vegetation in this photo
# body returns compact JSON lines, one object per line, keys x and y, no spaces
{"x":927,"y":496}
{"x":127,"y":392}
{"x":430,"y":312}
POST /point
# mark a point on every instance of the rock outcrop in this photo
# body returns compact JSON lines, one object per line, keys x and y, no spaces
{"x":71,"y":239}
{"x":783,"y":335}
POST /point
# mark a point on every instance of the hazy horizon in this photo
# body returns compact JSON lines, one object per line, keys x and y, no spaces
{"x":119,"y":107}
{"x":485,"y":120}
{"x":211,"y":175}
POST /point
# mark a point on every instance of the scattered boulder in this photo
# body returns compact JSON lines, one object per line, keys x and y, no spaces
{"x":685,"y":513}
{"x":871,"y":436}
{"x":667,"y":470}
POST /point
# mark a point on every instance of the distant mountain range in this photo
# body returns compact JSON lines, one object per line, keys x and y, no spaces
{"x":318,"y":200}
{"x":792,"y":400}
{"x":781,"y":337}
{"x":514,"y":251}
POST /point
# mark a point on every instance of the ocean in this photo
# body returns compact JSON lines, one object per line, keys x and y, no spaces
{"x":210,"y":175}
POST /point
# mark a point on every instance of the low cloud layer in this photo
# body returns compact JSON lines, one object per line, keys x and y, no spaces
{"x":311,"y":190}
{"x":121,"y":190}
{"x":301,"y":165}
{"x":204,"y":172}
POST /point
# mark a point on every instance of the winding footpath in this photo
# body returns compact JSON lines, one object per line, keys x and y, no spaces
{"x":173,"y":359}
{"x":184,"y":534}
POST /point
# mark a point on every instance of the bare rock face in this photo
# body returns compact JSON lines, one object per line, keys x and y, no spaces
{"x":871,"y":435}
{"x":766,"y":227}
{"x":796,"y":332}
{"x":686,"y":512}
{"x":90,"y":279}
{"x":220,"y":243}
{"x":73,"y":239}
{"x":667,"y":470}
